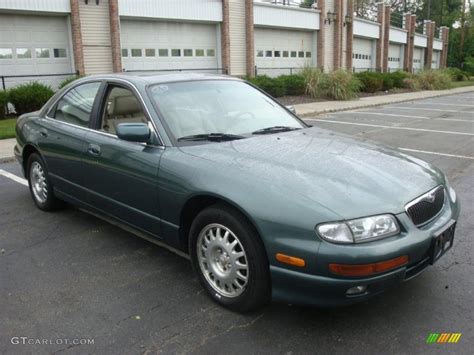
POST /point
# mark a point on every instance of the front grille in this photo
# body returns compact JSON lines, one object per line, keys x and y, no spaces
{"x":426,"y":207}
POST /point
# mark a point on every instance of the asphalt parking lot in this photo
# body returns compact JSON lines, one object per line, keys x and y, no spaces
{"x":69,"y":275}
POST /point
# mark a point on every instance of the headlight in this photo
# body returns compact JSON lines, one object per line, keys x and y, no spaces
{"x":359,"y":230}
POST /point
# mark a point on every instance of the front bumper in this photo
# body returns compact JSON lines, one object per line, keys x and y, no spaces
{"x":320,"y":288}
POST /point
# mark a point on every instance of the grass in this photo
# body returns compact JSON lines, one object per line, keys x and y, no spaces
{"x":7,"y":128}
{"x":461,"y":84}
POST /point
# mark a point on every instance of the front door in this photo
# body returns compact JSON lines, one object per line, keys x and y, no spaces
{"x":121,"y":176}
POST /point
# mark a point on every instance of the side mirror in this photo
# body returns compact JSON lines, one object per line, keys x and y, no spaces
{"x":133,"y":132}
{"x":291,"y":109}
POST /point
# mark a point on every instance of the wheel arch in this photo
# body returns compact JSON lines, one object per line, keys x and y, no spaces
{"x":27,"y":150}
{"x":195,"y":204}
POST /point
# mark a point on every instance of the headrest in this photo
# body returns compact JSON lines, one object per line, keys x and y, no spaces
{"x":124,"y":105}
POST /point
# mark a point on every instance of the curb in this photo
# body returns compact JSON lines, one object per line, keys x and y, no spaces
{"x":404,"y":99}
{"x":7,"y":160}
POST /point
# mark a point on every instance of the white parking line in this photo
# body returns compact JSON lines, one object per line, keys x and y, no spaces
{"x":390,"y":114}
{"x":442,"y":104}
{"x":426,"y":109}
{"x":394,"y":127}
{"x":437,"y":153}
{"x":14,"y":177}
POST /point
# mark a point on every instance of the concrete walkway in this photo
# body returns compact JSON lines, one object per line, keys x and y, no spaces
{"x":312,"y":109}
{"x":316,"y":108}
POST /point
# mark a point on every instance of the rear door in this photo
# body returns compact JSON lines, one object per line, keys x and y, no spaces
{"x":62,"y":137}
{"x":121,"y":176}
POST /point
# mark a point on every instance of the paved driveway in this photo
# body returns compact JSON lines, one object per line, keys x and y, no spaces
{"x":69,"y":275}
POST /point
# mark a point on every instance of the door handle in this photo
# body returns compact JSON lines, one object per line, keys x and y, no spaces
{"x":94,"y":149}
{"x":43,"y":132}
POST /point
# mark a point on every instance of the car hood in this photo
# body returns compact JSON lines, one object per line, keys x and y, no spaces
{"x":350,"y":177}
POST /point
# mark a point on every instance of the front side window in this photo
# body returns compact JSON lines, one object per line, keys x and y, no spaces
{"x":76,"y":105}
{"x":121,"y":106}
{"x":217,"y":106}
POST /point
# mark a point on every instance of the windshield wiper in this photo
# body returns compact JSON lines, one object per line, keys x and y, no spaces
{"x":275,"y":129}
{"x":212,"y":137}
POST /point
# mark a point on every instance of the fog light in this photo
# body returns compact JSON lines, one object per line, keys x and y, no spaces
{"x":356,"y":290}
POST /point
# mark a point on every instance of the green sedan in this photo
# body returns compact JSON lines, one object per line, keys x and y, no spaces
{"x":265,"y":206}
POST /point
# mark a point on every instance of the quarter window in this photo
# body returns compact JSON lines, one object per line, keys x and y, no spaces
{"x":42,"y":53}
{"x":23,"y":53}
{"x":76,"y":106}
{"x":59,"y":53}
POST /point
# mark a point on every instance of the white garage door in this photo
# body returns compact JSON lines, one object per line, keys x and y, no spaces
{"x":395,"y":57}
{"x":275,"y":48}
{"x":418,"y":59}
{"x":435,"y":59}
{"x":363,"y":58}
{"x":31,"y":45}
{"x":154,"y":45}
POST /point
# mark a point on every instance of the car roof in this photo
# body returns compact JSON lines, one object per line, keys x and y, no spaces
{"x":150,"y":78}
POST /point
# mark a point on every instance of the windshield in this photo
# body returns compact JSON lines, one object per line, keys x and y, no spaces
{"x":225,"y":107}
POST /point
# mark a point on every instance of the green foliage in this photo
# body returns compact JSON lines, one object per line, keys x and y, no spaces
{"x":469,"y":65}
{"x":434,"y":80}
{"x":69,"y":80}
{"x":272,"y":86}
{"x":315,"y":81}
{"x":457,"y":74}
{"x":370,"y":81}
{"x":342,"y":85}
{"x":294,"y":84}
{"x":29,"y":97}
{"x":3,"y":103}
{"x":398,"y":77}
{"x":410,"y":83}
{"x":7,"y":128}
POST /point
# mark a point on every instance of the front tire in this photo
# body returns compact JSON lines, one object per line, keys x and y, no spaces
{"x":40,"y":186}
{"x":230,"y":259}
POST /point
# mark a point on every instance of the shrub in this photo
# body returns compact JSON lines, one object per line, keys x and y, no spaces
{"x":272,"y":86}
{"x":69,"y":80}
{"x":398,"y":77}
{"x":342,"y":85}
{"x":370,"y":81}
{"x":315,"y":81}
{"x":293,"y":84}
{"x":410,"y":83}
{"x":434,"y":80}
{"x":457,"y":74}
{"x":29,"y":97}
{"x":3,"y":103}
{"x":387,"y":82}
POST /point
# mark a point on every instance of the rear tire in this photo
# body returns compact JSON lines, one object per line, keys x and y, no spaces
{"x":40,"y":186}
{"x":230,"y":259}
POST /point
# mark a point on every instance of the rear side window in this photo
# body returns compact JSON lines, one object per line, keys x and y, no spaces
{"x":76,"y":106}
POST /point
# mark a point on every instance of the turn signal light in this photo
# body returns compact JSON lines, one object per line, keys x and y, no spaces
{"x":368,"y":269}
{"x":291,"y":260}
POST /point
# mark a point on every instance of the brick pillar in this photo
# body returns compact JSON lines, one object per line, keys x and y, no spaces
{"x":386,"y":38}
{"x":77,"y":37}
{"x":115,"y":36}
{"x":250,"y":37}
{"x":444,"y":52}
{"x":338,"y":9}
{"x":410,"y":23}
{"x":350,"y":35}
{"x":225,"y":39}
{"x":430,"y":30}
{"x":379,"y":42}
{"x":320,"y":36}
